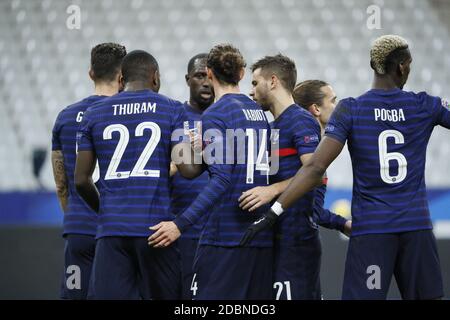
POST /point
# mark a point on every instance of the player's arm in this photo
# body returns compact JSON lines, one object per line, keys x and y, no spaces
{"x":186,"y":149}
{"x":167,"y":232}
{"x":59,"y":174}
{"x":173,"y":169}
{"x":84,"y":168}
{"x":327,"y":219}
{"x":220,"y":179}
{"x":190,"y":169}
{"x":306,"y":179}
{"x":254,"y":198}
{"x":310,"y":175}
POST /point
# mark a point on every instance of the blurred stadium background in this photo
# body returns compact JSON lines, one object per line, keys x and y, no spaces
{"x":44,"y":67}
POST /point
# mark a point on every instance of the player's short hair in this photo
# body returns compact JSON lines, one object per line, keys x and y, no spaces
{"x":309,"y":92}
{"x":387,"y":52}
{"x":226,"y":62}
{"x":138,"y":65}
{"x":106,"y":59}
{"x":191,"y":63}
{"x":282,"y":66}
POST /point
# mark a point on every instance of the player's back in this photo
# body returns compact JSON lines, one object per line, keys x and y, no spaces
{"x":131,"y":135}
{"x":239,"y":114}
{"x":78,"y":218}
{"x":388,"y":133}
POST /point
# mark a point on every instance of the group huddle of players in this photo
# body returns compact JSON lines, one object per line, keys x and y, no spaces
{"x":144,"y":226}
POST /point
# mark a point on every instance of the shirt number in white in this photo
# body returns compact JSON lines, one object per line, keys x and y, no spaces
{"x":385,"y":157}
{"x":124,"y":138}
{"x":263,"y":155}
{"x":279,"y":287}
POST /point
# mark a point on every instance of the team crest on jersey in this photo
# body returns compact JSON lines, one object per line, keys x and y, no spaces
{"x":313,"y":138}
{"x":445,"y":104}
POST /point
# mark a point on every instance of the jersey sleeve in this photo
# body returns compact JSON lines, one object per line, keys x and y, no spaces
{"x":340,"y":124}
{"x":214,"y":130}
{"x":305,"y":135}
{"x":324,"y":217}
{"x":84,"y":134}
{"x":56,"y":141}
{"x":441,"y":112}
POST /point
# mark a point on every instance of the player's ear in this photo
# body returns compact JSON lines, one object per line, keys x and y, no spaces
{"x":156,"y":81}
{"x":187,"y":79}
{"x":241,"y":74}
{"x":209,"y":73}
{"x":121,"y":82}
{"x":273,"y":82}
{"x":314,"y":109}
{"x":91,"y":75}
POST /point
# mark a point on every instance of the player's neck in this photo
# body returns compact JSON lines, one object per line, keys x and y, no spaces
{"x":194,"y":105}
{"x":105,"y":89}
{"x":220,"y":91}
{"x":322,"y":127}
{"x":138,"y":86}
{"x":281,"y":102}
{"x":384,"y":82}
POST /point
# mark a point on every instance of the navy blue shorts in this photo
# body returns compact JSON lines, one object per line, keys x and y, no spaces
{"x":224,"y":273}
{"x":297,"y":271}
{"x":411,"y":257}
{"x":79,"y":253}
{"x":128,"y":268}
{"x":187,"y":248}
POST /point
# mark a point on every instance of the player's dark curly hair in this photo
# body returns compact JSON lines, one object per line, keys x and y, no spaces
{"x":226,"y":62}
{"x":106,"y":59}
{"x":308,"y":92}
{"x":282,"y":66}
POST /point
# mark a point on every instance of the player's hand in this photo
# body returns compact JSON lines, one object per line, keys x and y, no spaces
{"x":254,"y":198}
{"x":195,"y":138}
{"x":166,"y":232}
{"x":265,"y":222}
{"x":348,"y":228}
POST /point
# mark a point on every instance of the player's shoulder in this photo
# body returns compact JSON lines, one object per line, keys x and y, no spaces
{"x":82,"y":105}
{"x":296,"y":111}
{"x":425,"y":99}
{"x":168,"y":101}
{"x":299,"y":117}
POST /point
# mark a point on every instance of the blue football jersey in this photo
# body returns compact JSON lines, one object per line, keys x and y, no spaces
{"x":299,"y":134}
{"x":184,"y":191}
{"x":131,"y":134}
{"x":387,"y":133}
{"x":226,"y":223}
{"x":79,"y":217}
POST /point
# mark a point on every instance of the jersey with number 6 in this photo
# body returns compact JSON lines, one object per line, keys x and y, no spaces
{"x":78,"y":218}
{"x":131,"y":134}
{"x":387,"y":133}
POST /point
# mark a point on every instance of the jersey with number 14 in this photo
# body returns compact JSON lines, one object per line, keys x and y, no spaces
{"x":387,"y":133}
{"x":131,"y":136}
{"x":236,"y":134}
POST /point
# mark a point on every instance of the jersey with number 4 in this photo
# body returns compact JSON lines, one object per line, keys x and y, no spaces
{"x":78,"y":218}
{"x":387,"y":133}
{"x":131,"y":135}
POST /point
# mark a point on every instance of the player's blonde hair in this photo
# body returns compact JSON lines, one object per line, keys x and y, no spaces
{"x":382,"y":47}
